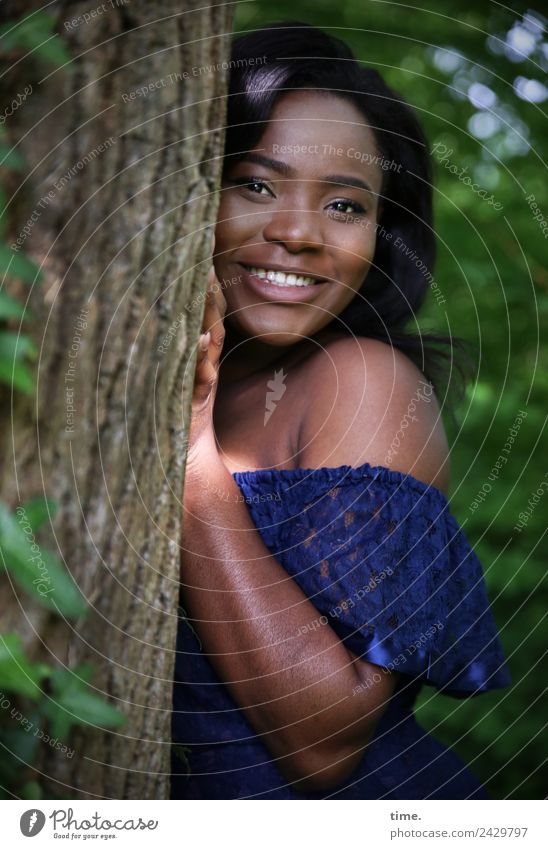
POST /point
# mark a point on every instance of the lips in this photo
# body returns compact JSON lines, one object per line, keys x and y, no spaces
{"x":283,"y":276}
{"x":280,"y":278}
{"x":288,"y":287}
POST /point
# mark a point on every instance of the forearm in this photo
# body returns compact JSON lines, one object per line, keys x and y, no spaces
{"x":296,"y":687}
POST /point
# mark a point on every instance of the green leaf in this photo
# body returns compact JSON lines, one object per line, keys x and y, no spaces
{"x":11,"y":158}
{"x":61,"y":592}
{"x":36,"y":570}
{"x":12,"y":32}
{"x":35,"y":31}
{"x":3,"y":216}
{"x":86,"y":708}
{"x":17,"y":375}
{"x":65,"y":679}
{"x":13,"y":347}
{"x":10,"y":308}
{"x":17,"y":673}
{"x":16,"y":346}
{"x":38,"y":511}
{"x":60,"y":723}
{"x":77,"y":704}
{"x":54,"y":51}
{"x":18,"y":265}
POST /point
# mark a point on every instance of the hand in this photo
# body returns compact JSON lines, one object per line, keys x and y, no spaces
{"x":210,"y":345}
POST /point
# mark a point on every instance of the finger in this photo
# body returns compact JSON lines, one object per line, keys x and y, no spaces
{"x":214,"y":314}
{"x":217,"y":331}
{"x":213,"y":323}
{"x":203,"y":344}
{"x":215,"y":287}
{"x":205,"y":377}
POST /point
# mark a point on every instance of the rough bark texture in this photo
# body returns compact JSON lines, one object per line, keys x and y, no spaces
{"x":123,"y":241}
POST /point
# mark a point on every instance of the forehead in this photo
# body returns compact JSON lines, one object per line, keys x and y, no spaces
{"x":320,"y":132}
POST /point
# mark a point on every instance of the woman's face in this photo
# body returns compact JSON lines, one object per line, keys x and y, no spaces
{"x":300,"y":209}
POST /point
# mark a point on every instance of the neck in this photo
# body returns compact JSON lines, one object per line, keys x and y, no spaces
{"x":243,"y":357}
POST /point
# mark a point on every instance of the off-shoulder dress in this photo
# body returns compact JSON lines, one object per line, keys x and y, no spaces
{"x":387,"y":565}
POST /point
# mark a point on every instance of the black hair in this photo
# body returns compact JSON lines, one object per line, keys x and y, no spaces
{"x":268,"y":62}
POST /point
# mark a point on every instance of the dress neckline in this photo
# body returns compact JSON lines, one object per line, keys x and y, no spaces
{"x":344,"y":473}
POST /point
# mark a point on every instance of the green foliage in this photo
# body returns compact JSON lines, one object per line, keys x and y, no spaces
{"x":9,"y":307}
{"x":35,"y":33}
{"x":13,"y":349}
{"x":17,"y":673}
{"x":11,"y":158}
{"x":39,"y":704}
{"x":37,"y":571}
{"x":38,"y":511}
{"x":73,"y":702}
{"x":18,"y":265}
{"x":16,"y":349}
{"x":444,"y":58}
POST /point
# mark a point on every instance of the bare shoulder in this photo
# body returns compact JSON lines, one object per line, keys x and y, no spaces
{"x":366,"y":401}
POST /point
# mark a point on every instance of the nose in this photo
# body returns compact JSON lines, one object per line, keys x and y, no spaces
{"x":296,"y":228}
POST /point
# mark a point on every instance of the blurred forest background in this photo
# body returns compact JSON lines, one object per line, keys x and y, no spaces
{"x":475,"y":74}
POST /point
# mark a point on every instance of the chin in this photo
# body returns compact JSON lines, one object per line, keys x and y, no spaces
{"x":273,"y":338}
{"x":276,"y":334}
{"x":283,"y":340}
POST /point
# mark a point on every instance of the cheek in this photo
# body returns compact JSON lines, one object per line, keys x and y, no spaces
{"x":233,"y":224}
{"x":223,"y":229}
{"x":359,"y":255}
{"x":225,"y":220}
{"x":354,"y":239}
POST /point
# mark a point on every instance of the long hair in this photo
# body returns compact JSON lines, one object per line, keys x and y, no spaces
{"x":277,"y":58}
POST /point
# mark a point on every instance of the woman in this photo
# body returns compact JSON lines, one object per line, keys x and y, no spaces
{"x":324,"y":580}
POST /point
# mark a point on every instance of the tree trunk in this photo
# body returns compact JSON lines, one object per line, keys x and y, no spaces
{"x":124,"y":152}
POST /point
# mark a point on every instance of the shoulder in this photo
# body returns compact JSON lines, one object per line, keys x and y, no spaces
{"x":366,"y":401}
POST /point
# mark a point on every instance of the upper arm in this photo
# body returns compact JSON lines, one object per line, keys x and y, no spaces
{"x":367,"y":402}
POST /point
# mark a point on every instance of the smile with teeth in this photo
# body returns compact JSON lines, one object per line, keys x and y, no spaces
{"x":280,"y":278}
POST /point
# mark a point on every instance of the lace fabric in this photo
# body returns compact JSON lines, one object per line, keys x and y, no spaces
{"x":383,"y":559}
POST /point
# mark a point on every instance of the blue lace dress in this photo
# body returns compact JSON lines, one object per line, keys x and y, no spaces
{"x":384,"y":561}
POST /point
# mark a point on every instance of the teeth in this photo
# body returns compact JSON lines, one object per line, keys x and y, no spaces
{"x":280,"y":278}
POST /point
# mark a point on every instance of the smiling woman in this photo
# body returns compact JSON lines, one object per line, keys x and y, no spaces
{"x":317,"y":609}
{"x":304,"y":207}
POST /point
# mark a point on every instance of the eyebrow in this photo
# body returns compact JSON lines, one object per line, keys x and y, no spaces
{"x":288,"y":171}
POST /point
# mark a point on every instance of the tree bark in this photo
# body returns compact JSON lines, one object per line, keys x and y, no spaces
{"x":124,"y":150}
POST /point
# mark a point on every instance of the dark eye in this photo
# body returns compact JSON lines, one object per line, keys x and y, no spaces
{"x":347,"y":207}
{"x":257,"y":186}
{"x":253,"y":184}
